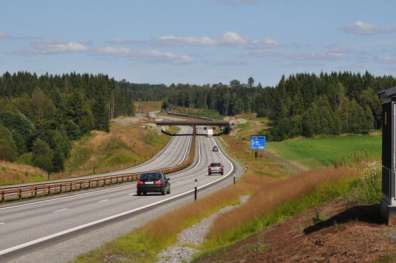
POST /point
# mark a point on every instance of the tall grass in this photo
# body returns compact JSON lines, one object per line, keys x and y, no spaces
{"x":286,"y":199}
{"x":12,"y":173}
{"x":123,"y":146}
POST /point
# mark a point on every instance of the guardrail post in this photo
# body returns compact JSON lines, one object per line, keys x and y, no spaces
{"x":48,"y":190}
{"x":35,"y":191}
{"x":2,"y":197}
{"x":20,"y":193}
{"x":196,"y":189}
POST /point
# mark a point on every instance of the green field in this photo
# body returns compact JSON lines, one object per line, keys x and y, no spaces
{"x":324,"y":151}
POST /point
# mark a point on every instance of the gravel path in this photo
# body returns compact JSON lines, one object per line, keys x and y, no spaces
{"x":189,"y":238}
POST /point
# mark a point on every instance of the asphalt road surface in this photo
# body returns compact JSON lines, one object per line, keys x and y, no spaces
{"x":22,"y":223}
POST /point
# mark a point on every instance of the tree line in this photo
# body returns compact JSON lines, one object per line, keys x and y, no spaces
{"x":299,"y":105}
{"x":41,"y":115}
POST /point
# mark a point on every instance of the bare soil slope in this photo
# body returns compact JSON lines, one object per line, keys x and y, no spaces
{"x":349,"y":233}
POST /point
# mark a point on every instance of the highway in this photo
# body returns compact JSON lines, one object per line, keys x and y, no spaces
{"x":24,"y":224}
{"x":173,"y":154}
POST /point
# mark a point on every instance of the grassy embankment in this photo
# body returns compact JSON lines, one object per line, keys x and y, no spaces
{"x":129,"y":142}
{"x":264,"y":181}
{"x":347,"y":175}
{"x":11,"y":173}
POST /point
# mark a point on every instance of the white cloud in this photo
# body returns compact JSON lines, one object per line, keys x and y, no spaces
{"x":388,"y":60}
{"x":364,"y":28}
{"x":264,"y":44}
{"x":150,"y":54}
{"x":232,"y":38}
{"x":227,"y":39}
{"x":170,"y":39}
{"x":54,"y":47}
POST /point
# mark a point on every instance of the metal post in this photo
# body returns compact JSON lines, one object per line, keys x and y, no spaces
{"x":234,"y":179}
{"x":196,"y":189}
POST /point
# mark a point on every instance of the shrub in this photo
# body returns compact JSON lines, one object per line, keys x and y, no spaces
{"x":42,"y":155}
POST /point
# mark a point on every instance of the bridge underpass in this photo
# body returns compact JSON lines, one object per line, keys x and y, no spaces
{"x":225,"y":126}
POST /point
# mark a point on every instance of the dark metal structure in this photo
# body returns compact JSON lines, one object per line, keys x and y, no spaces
{"x":388,"y":98}
{"x":194,"y":123}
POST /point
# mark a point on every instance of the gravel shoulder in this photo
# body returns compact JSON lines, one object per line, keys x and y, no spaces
{"x":189,"y":239}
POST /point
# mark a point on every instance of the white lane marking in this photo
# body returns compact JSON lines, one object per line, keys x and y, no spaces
{"x":102,"y":201}
{"x":132,"y":194}
{"x":60,"y":210}
{"x":2,"y":223}
{"x":106,"y":219}
{"x":78,"y":195}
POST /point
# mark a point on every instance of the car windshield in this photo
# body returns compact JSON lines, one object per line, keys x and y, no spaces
{"x":150,"y":177}
{"x":215,"y":164}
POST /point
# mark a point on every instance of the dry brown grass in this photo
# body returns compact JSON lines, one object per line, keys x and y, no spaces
{"x":147,"y":106}
{"x":271,"y":194}
{"x":124,"y":146}
{"x":11,"y":173}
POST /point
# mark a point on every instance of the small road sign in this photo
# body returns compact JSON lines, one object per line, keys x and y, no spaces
{"x":257,"y":142}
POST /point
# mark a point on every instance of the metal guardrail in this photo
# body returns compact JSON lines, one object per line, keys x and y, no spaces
{"x":71,"y":185}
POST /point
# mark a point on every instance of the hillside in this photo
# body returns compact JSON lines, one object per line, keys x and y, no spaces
{"x":129,"y":142}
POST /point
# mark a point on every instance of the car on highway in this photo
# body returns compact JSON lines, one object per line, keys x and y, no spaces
{"x":153,"y":182}
{"x":215,"y":168}
{"x":215,"y":148}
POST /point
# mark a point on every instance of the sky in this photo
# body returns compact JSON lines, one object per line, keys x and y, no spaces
{"x":198,"y":41}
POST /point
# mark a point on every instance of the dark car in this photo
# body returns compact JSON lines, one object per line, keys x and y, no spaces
{"x":215,"y":148}
{"x":153,"y":182}
{"x":215,"y":168}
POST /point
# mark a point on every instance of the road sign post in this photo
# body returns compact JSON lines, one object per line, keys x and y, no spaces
{"x":257,"y":143}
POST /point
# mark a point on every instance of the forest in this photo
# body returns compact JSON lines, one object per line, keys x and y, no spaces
{"x":299,"y":105}
{"x":41,"y":115}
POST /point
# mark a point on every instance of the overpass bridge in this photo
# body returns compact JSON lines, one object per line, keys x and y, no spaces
{"x":225,"y":125}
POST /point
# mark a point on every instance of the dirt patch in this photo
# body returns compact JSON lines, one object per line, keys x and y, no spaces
{"x":338,"y":232}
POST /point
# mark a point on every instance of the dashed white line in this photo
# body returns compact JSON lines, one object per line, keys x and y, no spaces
{"x":2,"y":223}
{"x":104,"y":200}
{"x":60,"y":210}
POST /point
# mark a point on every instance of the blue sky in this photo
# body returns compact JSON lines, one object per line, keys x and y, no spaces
{"x":198,"y":41}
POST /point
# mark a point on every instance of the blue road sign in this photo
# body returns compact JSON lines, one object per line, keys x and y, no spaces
{"x":257,"y":142}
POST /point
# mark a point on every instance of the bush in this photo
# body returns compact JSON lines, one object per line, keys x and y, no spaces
{"x":42,"y":155}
